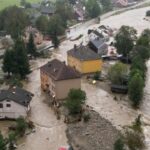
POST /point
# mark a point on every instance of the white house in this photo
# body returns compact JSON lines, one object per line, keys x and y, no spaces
{"x":14,"y":103}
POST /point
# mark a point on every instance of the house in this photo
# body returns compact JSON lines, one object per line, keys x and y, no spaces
{"x":99,"y":46}
{"x":84,"y":59}
{"x":38,"y":36}
{"x":57,"y":79}
{"x":14,"y":103}
{"x":123,"y":3}
{"x":47,"y":10}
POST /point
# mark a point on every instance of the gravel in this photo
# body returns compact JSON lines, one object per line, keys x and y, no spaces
{"x":96,"y":134}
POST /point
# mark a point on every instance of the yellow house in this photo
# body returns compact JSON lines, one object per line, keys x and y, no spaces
{"x":84,"y":60}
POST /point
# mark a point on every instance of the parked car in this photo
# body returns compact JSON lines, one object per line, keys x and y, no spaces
{"x":123,"y":89}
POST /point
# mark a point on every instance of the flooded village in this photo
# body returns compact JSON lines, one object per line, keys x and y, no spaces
{"x":77,"y":68}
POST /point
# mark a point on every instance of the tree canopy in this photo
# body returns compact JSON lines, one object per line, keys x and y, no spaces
{"x":16,"y":61}
{"x":74,"y":101}
{"x":16,"y":21}
{"x":136,"y":85}
{"x":125,"y":40}
{"x":117,"y":73}
{"x":93,"y":8}
{"x":31,"y":47}
{"x":42,"y":24}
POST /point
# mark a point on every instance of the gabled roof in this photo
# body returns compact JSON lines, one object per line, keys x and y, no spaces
{"x":17,"y":95}
{"x":59,"y":70}
{"x":99,"y":43}
{"x":83,"y":53}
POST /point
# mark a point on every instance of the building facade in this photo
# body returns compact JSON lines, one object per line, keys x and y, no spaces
{"x":58,"y":79}
{"x":84,"y":60}
{"x":14,"y":103}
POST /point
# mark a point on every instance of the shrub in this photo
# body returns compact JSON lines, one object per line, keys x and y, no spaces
{"x":74,"y":101}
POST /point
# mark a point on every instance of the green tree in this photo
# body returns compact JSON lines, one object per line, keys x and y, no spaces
{"x":139,"y":63}
{"x":8,"y":61}
{"x":119,"y":145}
{"x":64,"y":10}
{"x":16,"y":21}
{"x":21,"y":126}
{"x":56,"y":26}
{"x":125,"y":39}
{"x":21,"y":62}
{"x":42,"y":23}
{"x":136,"y":90}
{"x":144,"y":39}
{"x":31,"y":47}
{"x":107,"y":5}
{"x":55,"y":29}
{"x":117,"y":73}
{"x":74,"y":101}
{"x":142,"y":51}
{"x":2,"y":142}
{"x":93,"y":8}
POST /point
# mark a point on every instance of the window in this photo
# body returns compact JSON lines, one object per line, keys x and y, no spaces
{"x":8,"y":105}
{"x":1,"y":105}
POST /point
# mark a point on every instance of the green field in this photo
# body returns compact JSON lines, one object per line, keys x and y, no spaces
{"x":6,"y":3}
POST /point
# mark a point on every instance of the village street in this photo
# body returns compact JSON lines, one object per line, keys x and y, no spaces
{"x":50,"y":133}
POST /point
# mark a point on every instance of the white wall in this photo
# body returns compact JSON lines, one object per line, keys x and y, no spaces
{"x":16,"y":110}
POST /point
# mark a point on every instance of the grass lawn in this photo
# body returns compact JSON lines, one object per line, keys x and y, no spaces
{"x":6,"y":3}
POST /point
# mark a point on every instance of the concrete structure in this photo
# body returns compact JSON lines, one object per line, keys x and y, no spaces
{"x":57,"y":79}
{"x":14,"y":103}
{"x":84,"y":60}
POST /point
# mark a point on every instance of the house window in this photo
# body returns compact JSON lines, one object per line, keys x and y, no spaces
{"x":8,"y":105}
{"x":1,"y":105}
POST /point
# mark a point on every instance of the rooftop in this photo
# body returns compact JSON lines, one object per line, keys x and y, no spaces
{"x":83,"y":53}
{"x":17,"y":95}
{"x":59,"y":70}
{"x":99,"y":43}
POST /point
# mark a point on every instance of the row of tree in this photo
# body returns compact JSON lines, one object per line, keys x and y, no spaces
{"x":138,"y":51}
{"x":140,"y":54}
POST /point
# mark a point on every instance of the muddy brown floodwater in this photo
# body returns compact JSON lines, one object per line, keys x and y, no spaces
{"x":50,"y":133}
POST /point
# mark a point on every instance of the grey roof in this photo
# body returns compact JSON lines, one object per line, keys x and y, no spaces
{"x":17,"y":95}
{"x":59,"y":70}
{"x":83,"y":53}
{"x":47,"y":10}
{"x":99,"y":43}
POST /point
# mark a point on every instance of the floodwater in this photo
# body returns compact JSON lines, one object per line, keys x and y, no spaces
{"x":50,"y":132}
